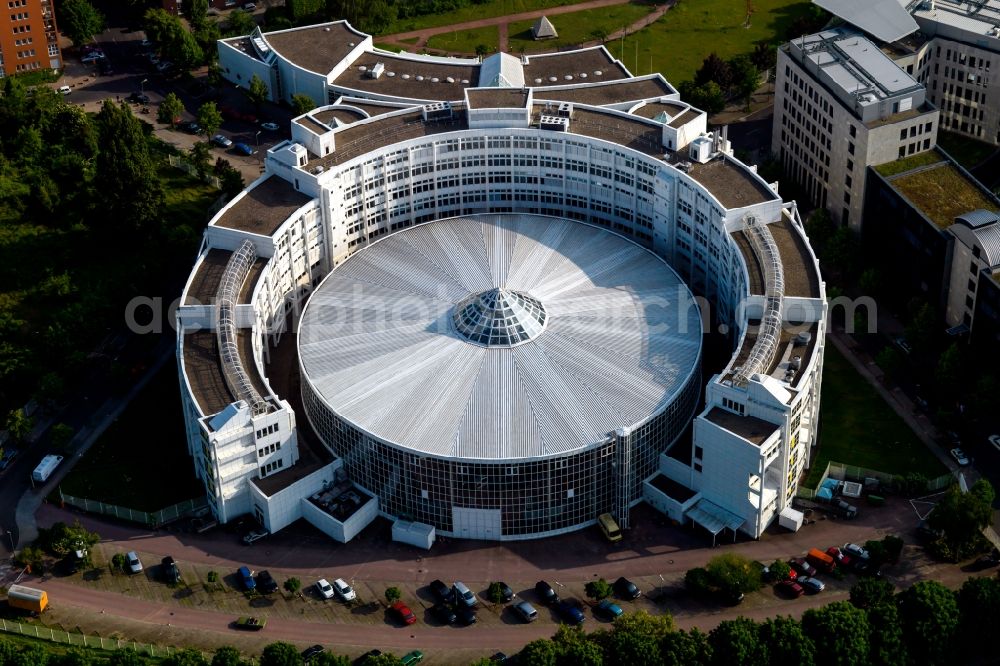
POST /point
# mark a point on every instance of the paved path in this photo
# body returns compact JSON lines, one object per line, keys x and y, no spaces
{"x":424,"y":34}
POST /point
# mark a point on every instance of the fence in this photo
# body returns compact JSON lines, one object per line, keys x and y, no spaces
{"x":150,"y":519}
{"x":843,"y":472}
{"x":81,"y":640}
{"x":189,"y":168}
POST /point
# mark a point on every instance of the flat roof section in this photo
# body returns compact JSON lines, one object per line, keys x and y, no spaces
{"x":205,"y":283}
{"x":754,"y":430}
{"x":542,"y":69}
{"x":653,"y":109}
{"x":497,"y":98}
{"x":615,"y":92}
{"x":204,"y":373}
{"x":801,"y":278}
{"x":684,"y":118}
{"x":312,"y":125}
{"x":372,"y":107}
{"x":626,"y":131}
{"x":346,"y":116}
{"x":253,"y":275}
{"x":264,"y":208}
{"x":754,"y":269}
{"x":409,"y":78}
{"x":942,"y":193}
{"x":243,"y":45}
{"x":318,"y":48}
{"x":732,"y":186}
{"x":672,"y":489}
{"x":244,"y":342}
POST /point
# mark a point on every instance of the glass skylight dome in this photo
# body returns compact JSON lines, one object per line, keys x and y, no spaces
{"x":499,"y":318}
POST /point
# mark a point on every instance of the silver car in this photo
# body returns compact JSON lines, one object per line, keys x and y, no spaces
{"x":811,"y":584}
{"x":464,"y":595}
{"x":526,"y":611}
{"x":134,"y":563}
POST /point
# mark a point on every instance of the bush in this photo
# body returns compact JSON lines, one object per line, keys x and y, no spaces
{"x":293,"y":585}
{"x":598,"y":589}
{"x":893,"y":547}
{"x":495,"y":592}
{"x":118,"y":561}
{"x":779,"y":570}
{"x":393,"y":594}
{"x":213,"y":577}
{"x":698,"y":581}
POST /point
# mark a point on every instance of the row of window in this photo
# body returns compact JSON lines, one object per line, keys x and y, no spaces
{"x":272,"y":467}
{"x":268,"y":450}
{"x":268,"y":430}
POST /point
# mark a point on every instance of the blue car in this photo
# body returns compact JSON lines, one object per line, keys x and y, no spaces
{"x":246,"y":577}
{"x":569,"y":612}
{"x":608,"y":609}
{"x":244,"y":149}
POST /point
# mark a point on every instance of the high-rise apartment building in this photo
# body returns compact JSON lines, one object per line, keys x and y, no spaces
{"x":841,"y":105}
{"x":28,"y":37}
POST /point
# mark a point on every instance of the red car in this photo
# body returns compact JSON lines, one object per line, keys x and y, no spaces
{"x":790,"y":588}
{"x":403,"y":612}
{"x":842,"y":558}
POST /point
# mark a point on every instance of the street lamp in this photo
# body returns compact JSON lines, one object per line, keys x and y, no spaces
{"x":142,"y":84}
{"x":257,"y":137}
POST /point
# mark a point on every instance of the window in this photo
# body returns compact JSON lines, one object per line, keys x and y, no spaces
{"x":699,"y":452}
{"x":854,"y":131}
{"x":902,"y":134}
{"x":850,"y":147}
{"x":848,"y":180}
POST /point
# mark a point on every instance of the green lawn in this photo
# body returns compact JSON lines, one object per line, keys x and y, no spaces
{"x":677,"y":44}
{"x":857,"y":427}
{"x":576,"y":27}
{"x":466,"y":41}
{"x":136,"y":464}
{"x":488,"y":9}
{"x":967,"y":152}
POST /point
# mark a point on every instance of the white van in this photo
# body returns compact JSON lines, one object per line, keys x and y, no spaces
{"x":45,"y":468}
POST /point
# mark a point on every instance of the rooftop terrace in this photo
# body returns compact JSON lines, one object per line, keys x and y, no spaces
{"x":318,"y":48}
{"x":733,"y":186}
{"x":754,"y":430}
{"x":614,"y":92}
{"x":264,"y":208}
{"x":585,"y":66}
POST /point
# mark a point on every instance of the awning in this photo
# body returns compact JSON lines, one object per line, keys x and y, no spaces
{"x":714,"y":518}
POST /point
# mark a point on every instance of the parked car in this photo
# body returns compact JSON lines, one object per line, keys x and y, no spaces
{"x":811,"y":584}
{"x":344,"y":591}
{"x":65,"y":90}
{"x":854,"y":550}
{"x":193,"y":128}
{"x":251,"y":623}
{"x":138,"y":98}
{"x":569,"y":612}
{"x":254,"y":535}
{"x":164,"y":66}
{"x":311,"y":652}
{"x":222,"y":141}
{"x":168,"y":568}
{"x":526,"y":611}
{"x":464,"y":595}
{"x":324,"y":589}
{"x":402,"y":612}
{"x":789,"y":588}
{"x":245,"y":574}
{"x":546,"y":594}
{"x":146,"y":43}
{"x":443,"y":613}
{"x":249,"y":6}
{"x":413,"y":657}
{"x":840,"y":557}
{"x":266,"y":583}
{"x":91,"y":57}
{"x":803,"y":567}
{"x":442,"y":591}
{"x":9,"y":453}
{"x":134,"y":563}
{"x":903,"y":345}
{"x":959,"y":456}
{"x":466,"y":615}
{"x":244,"y":149}
{"x":608,"y":609}
{"x":506,"y":594}
{"x":499,"y":658}
{"x":626,"y":589}
{"x":270,"y":127}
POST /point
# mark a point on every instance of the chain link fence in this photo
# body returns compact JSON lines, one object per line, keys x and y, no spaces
{"x":81,"y":640}
{"x":190,"y":169}
{"x":151,"y":519}
{"x":844,"y":472}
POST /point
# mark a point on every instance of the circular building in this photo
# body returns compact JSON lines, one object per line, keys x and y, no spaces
{"x":501,"y":376}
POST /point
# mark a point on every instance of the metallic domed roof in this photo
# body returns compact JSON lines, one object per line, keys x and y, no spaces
{"x":499,"y":317}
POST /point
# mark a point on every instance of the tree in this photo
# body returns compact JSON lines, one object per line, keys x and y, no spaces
{"x":293,"y":585}
{"x":230,"y":178}
{"x":714,"y":68}
{"x":257,"y":91}
{"x":541,"y":652}
{"x":598,"y":589}
{"x":383,"y":659}
{"x":746,"y":77}
{"x":19,"y":424}
{"x":126,"y":657}
{"x":60,"y":436}
{"x":197,"y":13}
{"x":495,"y":592}
{"x":32,"y":558}
{"x":118,"y":561}
{"x":329,"y":659}
{"x":929,"y":615}
{"x":80,"y":21}
{"x":126,"y":181}
{"x":893,"y":547}
{"x":708,"y":97}
{"x":227,"y":656}
{"x":393,"y":594}
{"x":686,"y":648}
{"x":200,"y":157}
{"x":575,"y":648}
{"x":978,"y":607}
{"x":302,"y":103}
{"x":962,"y":516}
{"x":176,"y":43}
{"x":764,"y":55}
{"x":280,"y":654}
{"x":301,"y":10}
{"x":72,"y":658}
{"x":840,"y":633}
{"x":734,"y":575}
{"x":482,"y":50}
{"x":886,"y":645}
{"x":890,"y":361}
{"x":948,"y":372}
{"x":785,"y":642}
{"x":30,"y":655}
{"x":780,"y":570}
{"x":209,"y":118}
{"x":871,"y":592}
{"x":170,"y":109}
{"x":240,"y":23}
{"x":698,"y":581}
{"x":599,"y":34}
{"x":922,"y":329}
{"x":635,"y":638}
{"x":186,"y":657}
{"x":736,"y":642}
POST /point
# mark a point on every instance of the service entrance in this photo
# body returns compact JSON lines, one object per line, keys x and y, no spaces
{"x":475,"y":523}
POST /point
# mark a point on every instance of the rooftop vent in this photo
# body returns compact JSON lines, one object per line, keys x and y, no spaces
{"x":802,"y":339}
{"x":377,"y":70}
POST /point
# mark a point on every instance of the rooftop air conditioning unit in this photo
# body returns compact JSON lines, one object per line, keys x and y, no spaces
{"x":319,"y":169}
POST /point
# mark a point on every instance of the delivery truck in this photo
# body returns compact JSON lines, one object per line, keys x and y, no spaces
{"x":45,"y":468}
{"x":27,"y":598}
